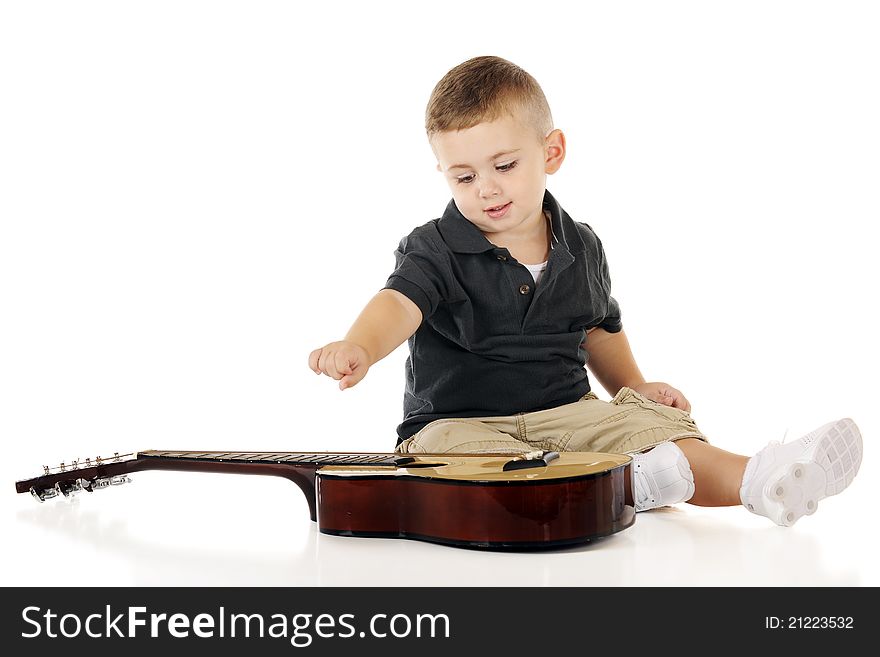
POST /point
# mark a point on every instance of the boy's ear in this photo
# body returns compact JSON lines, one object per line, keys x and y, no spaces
{"x":554,"y":151}
{"x":438,"y":167}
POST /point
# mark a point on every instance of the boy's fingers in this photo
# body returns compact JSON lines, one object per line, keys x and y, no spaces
{"x":352,"y":379}
{"x":334,"y":364}
{"x":313,"y":361}
{"x":679,"y":401}
{"x":327,"y":366}
{"x":343,"y":363}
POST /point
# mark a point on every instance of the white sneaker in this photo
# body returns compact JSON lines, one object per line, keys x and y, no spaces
{"x":785,"y":482}
{"x":661,"y":476}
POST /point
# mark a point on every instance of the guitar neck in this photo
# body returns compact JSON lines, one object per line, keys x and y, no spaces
{"x":298,"y":467}
{"x":314,"y":459}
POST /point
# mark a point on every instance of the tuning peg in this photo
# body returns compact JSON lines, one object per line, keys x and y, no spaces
{"x":44,"y":494}
{"x":99,"y":483}
{"x":85,"y":484}
{"x":68,"y":488}
{"x":104,"y":482}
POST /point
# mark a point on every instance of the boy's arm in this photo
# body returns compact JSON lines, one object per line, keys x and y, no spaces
{"x":611,"y":360}
{"x":383,"y":325}
{"x":612,"y":363}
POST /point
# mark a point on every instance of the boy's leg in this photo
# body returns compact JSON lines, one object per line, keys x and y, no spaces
{"x":628,"y":424}
{"x":781,"y":482}
{"x":717,"y":474}
{"x":466,"y":435}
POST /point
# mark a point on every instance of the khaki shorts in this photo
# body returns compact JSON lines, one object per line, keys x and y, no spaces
{"x":628,"y":423}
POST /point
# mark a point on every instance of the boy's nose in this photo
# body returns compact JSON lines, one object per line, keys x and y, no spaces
{"x":489,"y":188}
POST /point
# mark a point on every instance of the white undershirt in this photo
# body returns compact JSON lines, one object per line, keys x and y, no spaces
{"x":536,"y":270}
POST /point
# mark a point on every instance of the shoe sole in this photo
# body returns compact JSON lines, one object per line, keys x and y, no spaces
{"x":797,"y":489}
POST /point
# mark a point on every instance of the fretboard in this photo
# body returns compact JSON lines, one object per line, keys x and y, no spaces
{"x":317,"y":458}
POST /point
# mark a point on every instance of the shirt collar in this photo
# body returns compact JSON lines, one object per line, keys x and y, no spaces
{"x":463,"y":237}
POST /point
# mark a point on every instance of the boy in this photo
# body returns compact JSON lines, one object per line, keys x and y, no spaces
{"x":505,"y":299}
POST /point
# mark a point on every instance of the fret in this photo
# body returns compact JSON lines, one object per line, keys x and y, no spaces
{"x":384,"y":460}
{"x":295,"y":458}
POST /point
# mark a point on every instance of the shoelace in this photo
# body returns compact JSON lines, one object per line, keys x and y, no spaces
{"x":774,"y":443}
{"x":784,"y":438}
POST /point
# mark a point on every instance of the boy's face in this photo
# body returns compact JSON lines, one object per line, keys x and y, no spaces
{"x":497,"y":172}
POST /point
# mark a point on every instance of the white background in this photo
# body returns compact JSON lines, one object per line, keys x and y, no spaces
{"x":194,"y":195}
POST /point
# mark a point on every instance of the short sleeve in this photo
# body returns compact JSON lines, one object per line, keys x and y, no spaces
{"x":421,"y":273}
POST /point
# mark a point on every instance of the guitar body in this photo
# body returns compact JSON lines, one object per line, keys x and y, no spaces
{"x":494,"y":501}
{"x":470,"y":502}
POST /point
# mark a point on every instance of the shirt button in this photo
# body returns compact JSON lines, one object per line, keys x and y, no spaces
{"x":502,"y":258}
{"x":524,"y":289}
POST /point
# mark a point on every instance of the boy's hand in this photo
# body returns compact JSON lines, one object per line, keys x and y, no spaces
{"x":663,"y":393}
{"x":344,"y":361}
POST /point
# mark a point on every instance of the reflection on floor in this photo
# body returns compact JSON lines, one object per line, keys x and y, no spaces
{"x":148,"y":538}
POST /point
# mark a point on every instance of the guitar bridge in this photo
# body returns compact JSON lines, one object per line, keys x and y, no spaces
{"x":537,"y":459}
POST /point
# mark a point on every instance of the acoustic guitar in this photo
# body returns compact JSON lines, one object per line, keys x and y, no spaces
{"x":496,"y":501}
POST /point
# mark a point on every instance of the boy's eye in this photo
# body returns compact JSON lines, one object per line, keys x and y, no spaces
{"x":464,"y":180}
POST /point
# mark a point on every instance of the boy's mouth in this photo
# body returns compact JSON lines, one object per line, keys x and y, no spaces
{"x":497,"y":211}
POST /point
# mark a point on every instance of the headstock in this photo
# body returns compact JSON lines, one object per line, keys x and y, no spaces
{"x":67,"y":479}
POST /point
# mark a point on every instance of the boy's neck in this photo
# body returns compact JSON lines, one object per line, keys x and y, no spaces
{"x":530,"y":247}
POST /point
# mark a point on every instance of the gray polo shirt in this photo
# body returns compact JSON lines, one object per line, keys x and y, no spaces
{"x":491,"y":342}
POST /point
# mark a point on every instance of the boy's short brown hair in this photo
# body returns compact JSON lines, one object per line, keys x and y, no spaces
{"x":484,"y":89}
